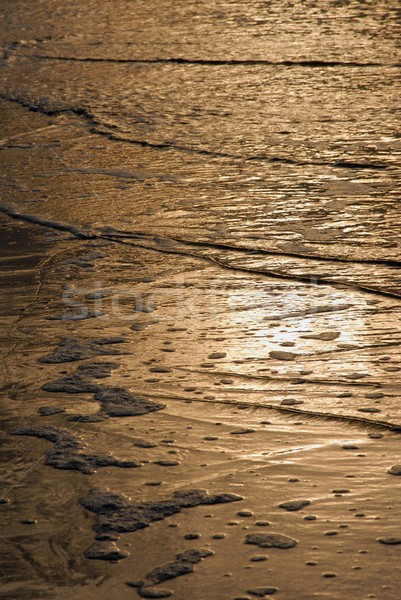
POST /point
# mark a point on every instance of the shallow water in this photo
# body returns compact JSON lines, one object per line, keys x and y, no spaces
{"x":217,"y":184}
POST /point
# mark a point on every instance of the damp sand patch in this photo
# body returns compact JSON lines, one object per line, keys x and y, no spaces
{"x":72,"y":349}
{"x":80,"y":381}
{"x":66,"y":451}
{"x":182,"y":565}
{"x":116,"y":514}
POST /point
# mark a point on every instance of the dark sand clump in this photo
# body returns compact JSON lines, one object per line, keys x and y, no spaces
{"x":270,"y":540}
{"x":71,"y":349}
{"x":80,"y":382}
{"x":119,"y":402}
{"x":105,"y":550}
{"x":65,"y":454}
{"x":116,"y":513}
{"x":183,"y":564}
{"x":98,"y":370}
{"x":72,"y":384}
{"x":116,"y":401}
{"x":88,"y":418}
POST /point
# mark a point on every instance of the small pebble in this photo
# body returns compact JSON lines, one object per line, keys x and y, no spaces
{"x":389,"y":541}
{"x":149,"y":591}
{"x":242,"y":431}
{"x":47,"y":411}
{"x":291,"y":402}
{"x":395,"y":470}
{"x":29,"y":521}
{"x":134,"y":584}
{"x":261,"y":591}
{"x":144,"y":444}
{"x":293,"y":505}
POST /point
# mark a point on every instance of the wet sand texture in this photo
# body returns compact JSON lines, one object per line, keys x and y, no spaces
{"x":200,"y":290}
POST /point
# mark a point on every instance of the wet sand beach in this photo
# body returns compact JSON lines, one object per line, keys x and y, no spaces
{"x":200,"y":300}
